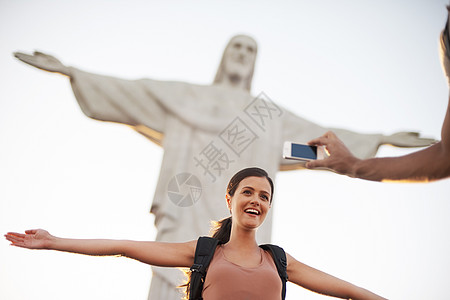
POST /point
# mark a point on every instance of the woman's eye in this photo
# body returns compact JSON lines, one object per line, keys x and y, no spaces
{"x":264,"y":197}
{"x":247,"y":192}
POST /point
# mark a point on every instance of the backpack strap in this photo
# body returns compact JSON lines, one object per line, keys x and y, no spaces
{"x":279,"y":257}
{"x":204,"y":252}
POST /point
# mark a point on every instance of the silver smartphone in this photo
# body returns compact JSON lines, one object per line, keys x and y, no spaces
{"x":303,"y":152}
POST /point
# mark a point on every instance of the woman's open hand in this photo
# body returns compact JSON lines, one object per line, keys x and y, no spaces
{"x":31,"y":239}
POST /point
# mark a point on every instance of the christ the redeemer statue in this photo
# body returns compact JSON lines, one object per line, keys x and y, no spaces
{"x":208,"y":132}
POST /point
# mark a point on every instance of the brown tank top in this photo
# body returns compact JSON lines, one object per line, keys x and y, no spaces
{"x":228,"y":281}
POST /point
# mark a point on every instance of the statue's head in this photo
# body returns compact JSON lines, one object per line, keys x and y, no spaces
{"x":238,"y":60}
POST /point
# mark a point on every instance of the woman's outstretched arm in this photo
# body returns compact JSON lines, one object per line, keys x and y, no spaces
{"x":323,"y":283}
{"x":152,"y":253}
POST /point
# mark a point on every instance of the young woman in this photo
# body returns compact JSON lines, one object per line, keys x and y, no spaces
{"x":240,"y":269}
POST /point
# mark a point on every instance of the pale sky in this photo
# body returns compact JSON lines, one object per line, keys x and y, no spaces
{"x":370,"y":66}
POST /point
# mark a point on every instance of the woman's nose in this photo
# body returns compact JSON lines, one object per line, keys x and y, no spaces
{"x":255,"y":200}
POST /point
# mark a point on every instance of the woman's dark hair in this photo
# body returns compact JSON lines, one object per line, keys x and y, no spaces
{"x":221,"y":230}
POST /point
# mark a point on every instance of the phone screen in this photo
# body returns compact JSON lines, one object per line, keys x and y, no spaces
{"x":304,"y":151}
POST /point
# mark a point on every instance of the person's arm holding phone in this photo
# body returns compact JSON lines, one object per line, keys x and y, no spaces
{"x":429,"y":164}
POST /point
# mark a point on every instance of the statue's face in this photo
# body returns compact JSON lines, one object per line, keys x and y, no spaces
{"x":240,"y":56}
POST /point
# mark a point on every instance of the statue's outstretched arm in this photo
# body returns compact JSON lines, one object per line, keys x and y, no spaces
{"x":406,"y":139}
{"x":44,"y":62}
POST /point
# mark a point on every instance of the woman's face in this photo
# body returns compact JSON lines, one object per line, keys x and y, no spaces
{"x":251,"y":202}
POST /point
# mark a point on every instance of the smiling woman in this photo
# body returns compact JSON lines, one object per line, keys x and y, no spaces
{"x":249,"y":198}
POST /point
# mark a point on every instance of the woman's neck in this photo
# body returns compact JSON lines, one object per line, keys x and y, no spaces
{"x":242,"y":239}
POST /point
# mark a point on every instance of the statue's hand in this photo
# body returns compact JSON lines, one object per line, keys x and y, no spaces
{"x":44,"y":62}
{"x":407,"y":139}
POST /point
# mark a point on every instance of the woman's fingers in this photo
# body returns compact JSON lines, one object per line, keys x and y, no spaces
{"x":15,"y":239}
{"x":16,"y":234}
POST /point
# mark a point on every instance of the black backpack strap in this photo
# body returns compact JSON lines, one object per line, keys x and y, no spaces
{"x":279,"y":257}
{"x":204,"y":252}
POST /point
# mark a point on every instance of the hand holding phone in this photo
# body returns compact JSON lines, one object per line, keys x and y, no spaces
{"x":303,"y":152}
